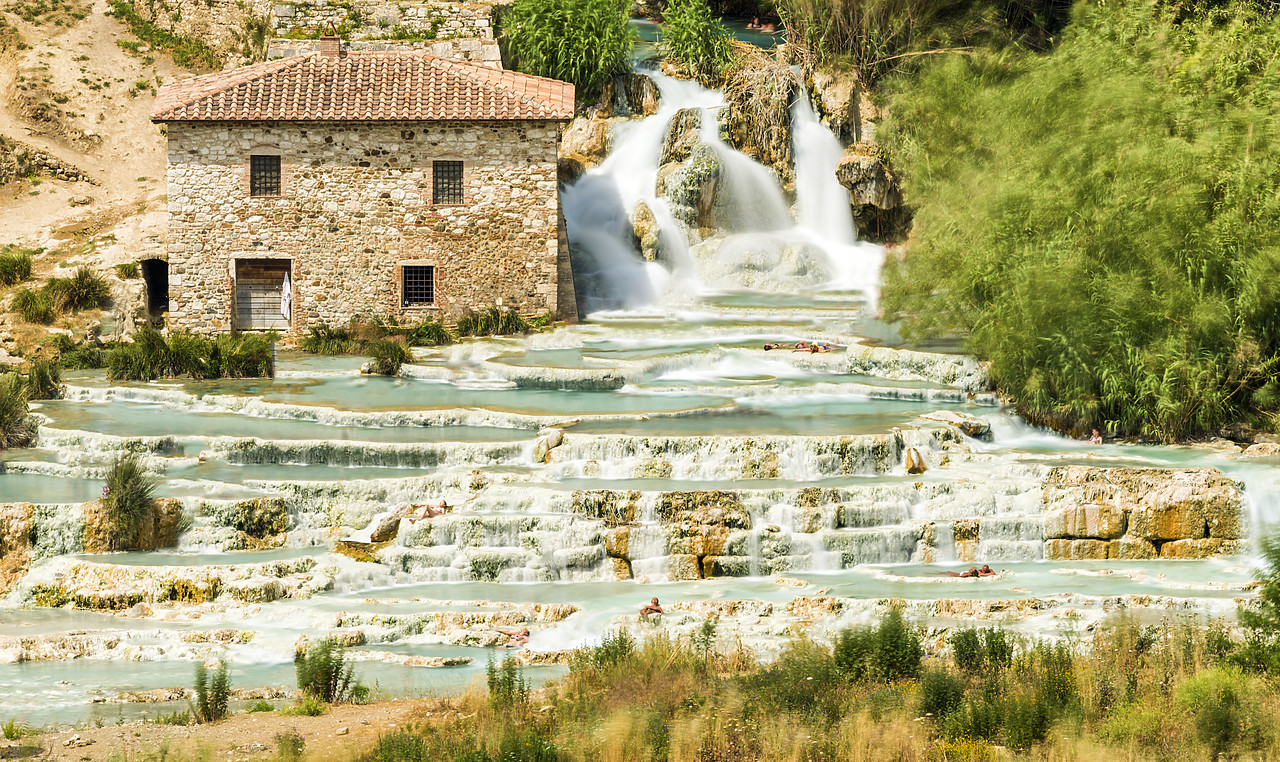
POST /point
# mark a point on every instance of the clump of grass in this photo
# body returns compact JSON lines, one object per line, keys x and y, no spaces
{"x":261,"y":706}
{"x":324,"y":339}
{"x":17,"y":428}
{"x":127,"y":270}
{"x":387,"y":356}
{"x":187,"y":52}
{"x":174,"y":718}
{"x":84,"y":290}
{"x":129,"y":499}
{"x":13,"y":729}
{"x":307,"y":706}
{"x":34,"y":306}
{"x":44,"y":379}
{"x":585,"y":42}
{"x":493,"y":321}
{"x":324,"y":674}
{"x":290,"y":745}
{"x":151,"y":356}
{"x":695,"y":38}
{"x":15,"y":266}
{"x":212,"y":692}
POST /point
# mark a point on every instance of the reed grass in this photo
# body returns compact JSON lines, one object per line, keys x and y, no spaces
{"x":151,"y":356}
{"x":15,"y":266}
{"x":129,"y":499}
{"x":692,"y":36}
{"x":1100,"y":221}
{"x":584,"y":42}
{"x":34,"y":307}
{"x":83,"y":290}
{"x":17,"y":428}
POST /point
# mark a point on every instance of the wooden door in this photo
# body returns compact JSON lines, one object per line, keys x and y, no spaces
{"x":260,"y":287}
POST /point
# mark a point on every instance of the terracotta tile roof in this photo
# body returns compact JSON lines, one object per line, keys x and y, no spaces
{"x":364,"y":86}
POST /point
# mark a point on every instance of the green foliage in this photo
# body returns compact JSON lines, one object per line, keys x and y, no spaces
{"x":84,"y":290}
{"x":386,"y":356}
{"x":261,"y":706}
{"x":44,"y":379}
{"x":585,"y":42}
{"x":307,"y":706}
{"x":150,"y":356}
{"x":1102,"y":222}
{"x":324,"y":339}
{"x":129,"y":499}
{"x":1265,"y":616}
{"x":693,"y":36}
{"x":427,"y":333}
{"x":967,"y":647}
{"x":975,"y":650}
{"x":127,"y":270}
{"x":174,"y":718}
{"x":615,"y":648}
{"x":803,"y":679}
{"x":941,"y":692}
{"x":1224,"y":710}
{"x":187,"y":52}
{"x":495,"y":321}
{"x":34,"y":306}
{"x":886,"y":652}
{"x":291,"y":744}
{"x":15,"y":266}
{"x":508,"y":688}
{"x":399,"y":745}
{"x":72,"y":356}
{"x":17,"y":429}
{"x":212,"y":692}
{"x":324,"y":674}
{"x":13,"y":729}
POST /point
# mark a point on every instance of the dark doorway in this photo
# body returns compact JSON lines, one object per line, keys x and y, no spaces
{"x":155,"y":273}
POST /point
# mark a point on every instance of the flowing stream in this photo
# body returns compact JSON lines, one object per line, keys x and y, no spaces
{"x":664,"y":390}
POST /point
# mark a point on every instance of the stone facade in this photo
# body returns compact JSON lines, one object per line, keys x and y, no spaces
{"x":355,"y":206}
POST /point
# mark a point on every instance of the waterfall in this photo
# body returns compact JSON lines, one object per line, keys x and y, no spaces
{"x":822,"y":203}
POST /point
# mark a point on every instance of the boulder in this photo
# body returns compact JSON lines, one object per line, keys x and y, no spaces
{"x":1097,"y":521}
{"x":158,"y":529}
{"x":689,"y":187}
{"x":843,"y":106}
{"x":971,"y":425}
{"x":635,"y":95}
{"x":15,"y":544}
{"x":1203,"y":548}
{"x":569,"y":167}
{"x":1075,"y":550}
{"x":621,"y":568}
{"x":1262,"y":450}
{"x":914,"y":462}
{"x":683,"y":567}
{"x":587,"y":140}
{"x":649,"y":234}
{"x":1168,"y":522}
{"x":869,"y":180}
{"x":1131,"y":549}
{"x":726,"y":566}
{"x":682,"y":136}
{"x":548,"y":439}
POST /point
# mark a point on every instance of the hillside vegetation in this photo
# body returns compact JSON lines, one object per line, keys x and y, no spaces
{"x":1103,"y":220}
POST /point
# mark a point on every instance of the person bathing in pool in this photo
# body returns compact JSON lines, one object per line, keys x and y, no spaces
{"x":973,"y":571}
{"x":517,"y":638}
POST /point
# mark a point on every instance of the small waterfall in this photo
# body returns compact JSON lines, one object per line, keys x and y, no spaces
{"x":1261,"y":497}
{"x":822,"y":203}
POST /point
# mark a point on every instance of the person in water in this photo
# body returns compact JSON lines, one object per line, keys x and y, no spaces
{"x":1095,"y":438}
{"x":755,"y":23}
{"x":651,"y":607}
{"x":516,"y":638}
{"x":430,"y":510}
{"x":769,"y":346}
{"x":973,"y":571}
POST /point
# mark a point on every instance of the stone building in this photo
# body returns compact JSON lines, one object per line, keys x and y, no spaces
{"x":310,"y":189}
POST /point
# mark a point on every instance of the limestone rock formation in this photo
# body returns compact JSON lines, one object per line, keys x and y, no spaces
{"x":648,"y":233}
{"x":1140,"y":513}
{"x":586,"y":141}
{"x":15,"y":544}
{"x":756,"y":118}
{"x":971,"y":425}
{"x":158,"y":530}
{"x":683,"y":134}
{"x":689,"y":187}
{"x":914,"y":462}
{"x":630,"y":94}
{"x":759,"y":263}
{"x":874,"y":190}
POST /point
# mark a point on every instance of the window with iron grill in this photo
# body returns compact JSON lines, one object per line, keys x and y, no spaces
{"x":264,"y":175}
{"x":446,"y":181}
{"x":419,"y":284}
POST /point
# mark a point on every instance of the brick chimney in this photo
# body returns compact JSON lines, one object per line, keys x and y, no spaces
{"x":329,"y":46}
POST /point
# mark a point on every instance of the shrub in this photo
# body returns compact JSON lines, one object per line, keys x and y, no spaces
{"x":246,"y":355}
{"x":174,"y":718}
{"x":898,"y":650}
{"x":13,"y":729}
{"x":695,"y":38}
{"x":307,"y":706}
{"x":1223,"y":709}
{"x":400,"y":746}
{"x":212,"y":692}
{"x":585,"y":42}
{"x":34,"y":306}
{"x":967,"y":647}
{"x":261,"y":706}
{"x":84,"y":290}
{"x":507,"y":687}
{"x":997,"y":646}
{"x":324,"y":674}
{"x":428,"y":333}
{"x":187,"y":52}
{"x":941,"y":692}
{"x":803,"y":679}
{"x":495,"y":321}
{"x":17,"y":429}
{"x":44,"y":380}
{"x":127,"y":270}
{"x":290,"y":745}
{"x":325,"y":340}
{"x":386,"y":356}
{"x":129,"y":499}
{"x":852,"y":652}
{"x":15,"y":266}
{"x":1120,"y":298}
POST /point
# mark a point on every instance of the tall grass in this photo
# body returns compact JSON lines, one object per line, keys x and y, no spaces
{"x":212,"y":692}
{"x":151,"y":356}
{"x":493,"y":321}
{"x":17,"y":428}
{"x":1101,"y":222}
{"x":84,"y":290}
{"x":324,"y":673}
{"x":15,"y":266}
{"x":34,"y":306}
{"x":695,"y":38}
{"x":129,"y":499}
{"x":585,"y":42}
{"x":44,"y":379}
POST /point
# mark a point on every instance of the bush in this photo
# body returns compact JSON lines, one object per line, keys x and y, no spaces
{"x":1138,"y":296}
{"x":245,"y":355}
{"x":325,"y":340}
{"x":898,"y":650}
{"x":150,"y":356}
{"x":428,"y":333}
{"x":44,"y":380}
{"x":290,"y":745}
{"x":17,"y":429}
{"x":691,"y":35}
{"x":967,"y":647}
{"x":941,"y":692}
{"x":400,"y":746}
{"x":307,"y":706}
{"x":386,"y":356}
{"x":803,"y":679}
{"x":975,"y":649}
{"x":494,"y":321}
{"x":84,"y":290}
{"x":261,"y":706}
{"x":129,"y":499}
{"x":212,"y":692}
{"x":585,"y":42}
{"x":15,"y":266}
{"x":1223,"y":709}
{"x":324,"y":674}
{"x":507,"y":687}
{"x":127,"y":270}
{"x":34,"y":306}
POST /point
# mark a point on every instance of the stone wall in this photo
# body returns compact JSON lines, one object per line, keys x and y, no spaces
{"x":462,"y":29}
{"x":356,"y":203}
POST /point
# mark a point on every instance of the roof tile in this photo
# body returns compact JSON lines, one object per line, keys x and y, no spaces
{"x":364,"y":86}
